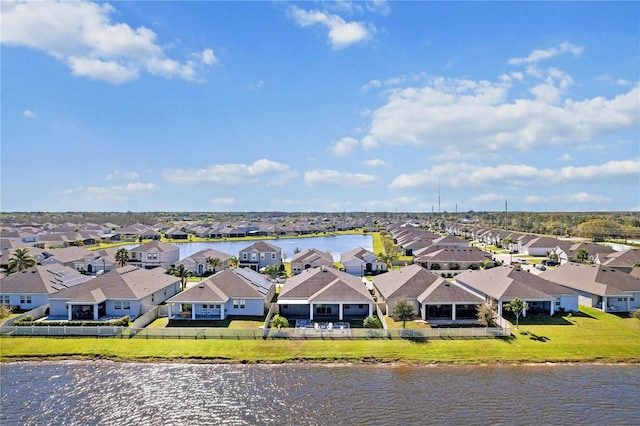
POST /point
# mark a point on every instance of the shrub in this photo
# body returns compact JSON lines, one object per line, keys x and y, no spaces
{"x":372,"y":322}
{"x":636,"y":314}
{"x":5,"y":311}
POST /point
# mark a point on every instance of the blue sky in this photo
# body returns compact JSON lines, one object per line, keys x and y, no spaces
{"x":320,"y":106}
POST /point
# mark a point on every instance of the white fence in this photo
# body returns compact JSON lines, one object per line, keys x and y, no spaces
{"x":240,"y":334}
{"x":34,"y":313}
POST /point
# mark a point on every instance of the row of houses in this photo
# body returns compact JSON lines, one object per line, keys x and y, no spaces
{"x":319,"y":293}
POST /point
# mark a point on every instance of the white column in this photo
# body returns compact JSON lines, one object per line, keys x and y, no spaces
{"x":95,"y":312}
{"x":169,"y":310}
{"x":499,"y":308}
{"x":628,"y":303}
{"x":604,"y":303}
{"x":524,"y":313}
{"x":311,"y":311}
{"x":370,"y":309}
{"x":70,"y":310}
{"x":193,"y":311}
{"x":340,"y":311}
{"x":453,"y":312}
{"x":553,"y":305}
{"x":222,"y":305}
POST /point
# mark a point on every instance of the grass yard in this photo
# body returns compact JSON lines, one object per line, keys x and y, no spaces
{"x":391,"y":323}
{"x":591,"y":336}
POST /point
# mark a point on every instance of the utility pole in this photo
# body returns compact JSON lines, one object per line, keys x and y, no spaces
{"x":505,"y":214}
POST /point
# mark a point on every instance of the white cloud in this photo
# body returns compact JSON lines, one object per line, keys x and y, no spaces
{"x":579,"y":198}
{"x":344,"y":147}
{"x":463,"y":175}
{"x":476,"y":116}
{"x":335,"y":178}
{"x":117,"y":174}
{"x":226,"y":174}
{"x":369,"y":142}
{"x":257,"y":85}
{"x":565,"y":157}
{"x":28,"y":113}
{"x":487,"y":198}
{"x":223,"y":201}
{"x":115,"y":193}
{"x":208,"y":58}
{"x":541,"y":54}
{"x":376,"y":162}
{"x":82,"y":35}
{"x":341,"y":33}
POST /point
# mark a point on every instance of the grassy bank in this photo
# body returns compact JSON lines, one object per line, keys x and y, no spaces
{"x":590,"y":336}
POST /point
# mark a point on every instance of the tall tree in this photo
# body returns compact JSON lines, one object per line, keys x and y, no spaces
{"x":122,"y":256}
{"x":403,"y":311}
{"x":182,"y":272}
{"x":485,"y":314}
{"x":517,"y":306}
{"x":387,"y":259}
{"x":233,"y":261}
{"x":214,"y":263}
{"x":21,"y":260}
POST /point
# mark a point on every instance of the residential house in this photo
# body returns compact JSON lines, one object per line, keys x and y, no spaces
{"x":100,"y":261}
{"x":567,"y":251}
{"x":68,"y":256}
{"x":128,"y":290}
{"x":448,"y":258}
{"x":502,"y":284}
{"x":198,"y":263}
{"x":623,"y":260}
{"x":241,"y":292}
{"x":432,"y":297}
{"x":540,"y":246}
{"x":154,"y":254}
{"x":32,"y":287}
{"x":360,"y":262}
{"x":260,"y":255}
{"x":598,"y":286}
{"x":325,"y":294}
{"x":310,"y":258}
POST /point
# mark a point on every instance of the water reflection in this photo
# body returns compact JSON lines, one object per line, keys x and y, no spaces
{"x":107,"y":393}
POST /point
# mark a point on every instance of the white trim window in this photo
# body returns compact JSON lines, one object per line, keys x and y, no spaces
{"x":238,"y":304}
{"x":25,"y":299}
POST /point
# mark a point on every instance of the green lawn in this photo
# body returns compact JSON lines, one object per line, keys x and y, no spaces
{"x":591,"y":336}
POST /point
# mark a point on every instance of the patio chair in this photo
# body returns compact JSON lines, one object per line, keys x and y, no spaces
{"x":316,"y":326}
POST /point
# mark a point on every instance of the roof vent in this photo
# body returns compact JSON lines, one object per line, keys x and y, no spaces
{"x":201,"y":286}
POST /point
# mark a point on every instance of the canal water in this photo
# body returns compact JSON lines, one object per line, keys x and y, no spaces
{"x":109,"y":393}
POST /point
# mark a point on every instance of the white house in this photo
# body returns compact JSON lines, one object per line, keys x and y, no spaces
{"x":360,"y":262}
{"x":154,"y":254}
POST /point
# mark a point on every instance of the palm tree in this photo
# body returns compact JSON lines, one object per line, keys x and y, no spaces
{"x":122,"y":256}
{"x":214,"y":263}
{"x":387,"y":259}
{"x":182,"y":272}
{"x":233,"y":261}
{"x":21,"y":260}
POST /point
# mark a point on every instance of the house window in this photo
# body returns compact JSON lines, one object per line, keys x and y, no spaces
{"x":557,"y":302}
{"x":117,"y":305}
{"x":25,"y":299}
{"x":619,"y":299}
{"x":217,"y":306}
{"x":5,"y":300}
{"x":205,"y":306}
{"x":360,"y":306}
{"x":238,"y":304}
{"x":631,"y":299}
{"x":273,"y":256}
{"x":254,"y":256}
{"x":126,"y":304}
{"x":347,"y":306}
{"x":152,"y":256}
{"x":261,"y":256}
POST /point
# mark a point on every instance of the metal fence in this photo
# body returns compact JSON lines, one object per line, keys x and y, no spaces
{"x":242,"y":334}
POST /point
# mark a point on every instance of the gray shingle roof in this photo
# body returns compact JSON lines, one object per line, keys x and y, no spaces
{"x":596,"y":279}
{"x":325,"y":284}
